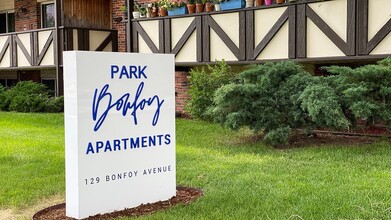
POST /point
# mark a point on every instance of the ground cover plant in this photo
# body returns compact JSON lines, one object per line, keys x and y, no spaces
{"x":241,"y":177}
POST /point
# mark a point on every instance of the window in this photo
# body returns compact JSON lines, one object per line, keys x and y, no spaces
{"x":48,"y":15}
{"x":7,"y":22}
{"x":51,"y":84}
{"x":8,"y":82}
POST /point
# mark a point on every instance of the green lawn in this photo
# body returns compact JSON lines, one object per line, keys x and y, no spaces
{"x":241,"y":179}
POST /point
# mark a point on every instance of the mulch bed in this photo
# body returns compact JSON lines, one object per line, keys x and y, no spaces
{"x":184,"y":195}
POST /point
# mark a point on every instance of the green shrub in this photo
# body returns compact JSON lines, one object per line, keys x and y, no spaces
{"x":3,"y":98}
{"x":203,"y":84}
{"x":266,"y":98}
{"x":366,"y":91}
{"x":55,"y":104}
{"x":28,"y":96}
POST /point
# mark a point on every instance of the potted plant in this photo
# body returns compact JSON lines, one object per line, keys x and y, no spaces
{"x":136,"y":11}
{"x":143,"y":12}
{"x":258,"y":3}
{"x":177,"y":7}
{"x":163,"y":6}
{"x":208,"y":6}
{"x":152,"y":9}
{"x":191,"y":6}
{"x":268,"y":2}
{"x":200,"y":5}
{"x":280,"y":1}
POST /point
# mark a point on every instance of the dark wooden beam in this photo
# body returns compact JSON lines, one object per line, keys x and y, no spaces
{"x":167,"y":36}
{"x":189,"y":31}
{"x":161,"y":36}
{"x":35,"y":47}
{"x":269,"y":36}
{"x":362,"y":25}
{"x":199,"y":38}
{"x":292,"y":31}
{"x":223,"y":36}
{"x":242,"y":36}
{"x":249,"y":35}
{"x":326,"y":29}
{"x":379,"y":36}
{"x":44,"y":50}
{"x":59,"y":47}
{"x":205,"y":46}
{"x":146,"y":38}
{"x":5,"y":47}
{"x":23,"y":49}
{"x":301,"y":32}
{"x":351,"y":28}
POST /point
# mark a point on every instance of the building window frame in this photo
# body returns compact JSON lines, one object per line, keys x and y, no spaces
{"x":55,"y":85}
{"x":43,"y":13}
{"x":7,"y":20}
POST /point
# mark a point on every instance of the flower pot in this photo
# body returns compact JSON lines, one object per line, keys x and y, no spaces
{"x":191,"y":8}
{"x":258,"y":3}
{"x":199,"y":8}
{"x":154,"y":12}
{"x":208,"y":7}
{"x":136,"y":14}
{"x":280,"y":1}
{"x":268,"y":2}
{"x":249,"y":3}
{"x":163,"y":12}
{"x":232,"y":4}
{"x":217,"y":7}
{"x":178,"y":11}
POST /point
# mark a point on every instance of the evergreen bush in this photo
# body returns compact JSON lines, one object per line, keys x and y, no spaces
{"x":366,"y":91}
{"x":28,"y":96}
{"x":266,"y":98}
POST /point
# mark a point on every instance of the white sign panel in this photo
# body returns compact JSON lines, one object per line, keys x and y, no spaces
{"x":119,"y":131}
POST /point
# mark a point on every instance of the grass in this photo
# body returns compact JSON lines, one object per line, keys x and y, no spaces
{"x":242,"y":179}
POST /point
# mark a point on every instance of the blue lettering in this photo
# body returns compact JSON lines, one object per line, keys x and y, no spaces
{"x":114,"y":69}
{"x":90,"y":148}
{"x":124,"y":72}
{"x":108,"y":146}
{"x":168,"y":140}
{"x":117,"y":144}
{"x":99,"y":145}
{"x":123,"y":104}
{"x":152,"y":140}
{"x":133,"y":71}
{"x":134,"y":143}
{"x":124,"y":140}
{"x":144,"y":141}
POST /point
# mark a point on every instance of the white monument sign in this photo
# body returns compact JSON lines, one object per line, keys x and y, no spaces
{"x":119,"y":131}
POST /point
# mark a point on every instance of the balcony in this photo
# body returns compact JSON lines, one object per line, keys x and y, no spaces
{"x":307,"y":31}
{"x":37,"y":49}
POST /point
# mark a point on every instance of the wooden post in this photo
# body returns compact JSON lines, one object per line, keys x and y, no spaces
{"x":129,"y":35}
{"x":58,"y":39}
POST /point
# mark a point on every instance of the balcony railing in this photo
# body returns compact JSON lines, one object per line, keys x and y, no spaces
{"x":27,"y":49}
{"x":311,"y":30}
{"x":37,"y":48}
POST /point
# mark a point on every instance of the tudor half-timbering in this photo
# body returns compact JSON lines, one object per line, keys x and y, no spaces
{"x":306,"y":31}
{"x":31,"y":41}
{"x":309,"y":31}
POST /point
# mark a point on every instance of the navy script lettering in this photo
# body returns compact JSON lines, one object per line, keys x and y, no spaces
{"x":99,"y":112}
